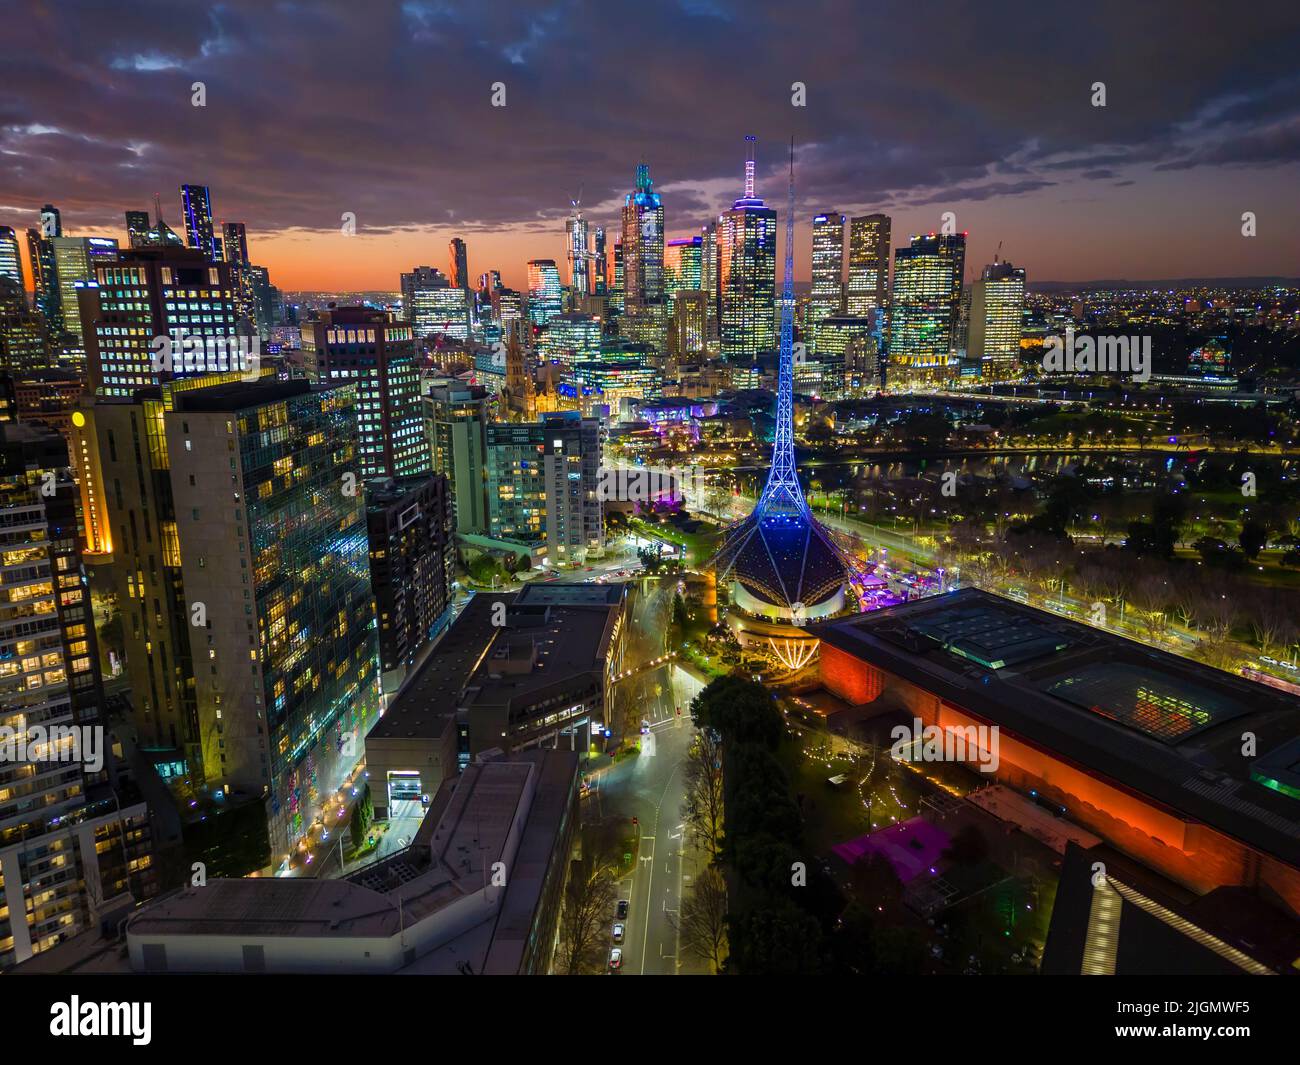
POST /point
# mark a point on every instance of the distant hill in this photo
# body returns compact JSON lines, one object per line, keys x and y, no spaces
{"x":1167,"y":283}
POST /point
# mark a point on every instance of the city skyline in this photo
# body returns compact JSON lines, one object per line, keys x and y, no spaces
{"x":1152,"y":185}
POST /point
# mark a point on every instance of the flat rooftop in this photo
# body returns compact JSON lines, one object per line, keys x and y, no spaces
{"x":270,"y":906}
{"x":538,"y":648}
{"x":1162,"y":725}
{"x":474,"y":825}
{"x":557,"y":593}
{"x":426,"y":705}
{"x":241,"y":395}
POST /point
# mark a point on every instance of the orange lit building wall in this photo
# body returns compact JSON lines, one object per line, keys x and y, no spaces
{"x":850,"y":678}
{"x":1188,"y":852}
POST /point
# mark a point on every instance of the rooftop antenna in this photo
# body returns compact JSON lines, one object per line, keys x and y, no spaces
{"x":751,"y":147}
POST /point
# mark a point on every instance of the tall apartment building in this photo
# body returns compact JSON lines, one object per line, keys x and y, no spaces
{"x":73,"y":848}
{"x":411,"y":529}
{"x":455,"y":422}
{"x":138,"y":523}
{"x":543,"y":485}
{"x":375,"y":351}
{"x":149,"y":293}
{"x":516,"y":484}
{"x":575,"y":513}
{"x":867,"y":289}
{"x":235,"y":243}
{"x":271,"y":547}
{"x":997,"y":310}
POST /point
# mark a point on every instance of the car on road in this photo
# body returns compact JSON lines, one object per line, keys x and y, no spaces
{"x":615,"y":960}
{"x":622,"y":908}
{"x":618,"y":932}
{"x":645,"y":726}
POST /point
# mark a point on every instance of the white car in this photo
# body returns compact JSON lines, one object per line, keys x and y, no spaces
{"x":618,"y":931}
{"x":615,"y":959}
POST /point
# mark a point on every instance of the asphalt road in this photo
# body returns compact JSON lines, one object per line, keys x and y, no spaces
{"x":650,"y":787}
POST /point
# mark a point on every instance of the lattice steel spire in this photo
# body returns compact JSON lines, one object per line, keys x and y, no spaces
{"x":782,"y":496}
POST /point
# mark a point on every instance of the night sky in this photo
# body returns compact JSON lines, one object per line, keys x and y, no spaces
{"x":913,"y":108}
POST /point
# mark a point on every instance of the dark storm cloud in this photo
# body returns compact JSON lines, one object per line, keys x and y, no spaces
{"x":384,"y":109}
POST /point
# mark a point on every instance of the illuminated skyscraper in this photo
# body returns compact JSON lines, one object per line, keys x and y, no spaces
{"x":545,"y":293}
{"x":643,"y":244}
{"x":616,"y":294}
{"x":196,"y":209}
{"x":856,"y":342}
{"x":543,"y":485}
{"x":24,"y":345}
{"x":411,"y":526}
{"x":459,"y":260}
{"x":75,"y":259}
{"x":747,"y":272}
{"x":997,"y":308}
{"x":235,"y":244}
{"x":270,"y":540}
{"x":926,"y":305}
{"x":455,"y":423}
{"x":683,"y":266}
{"x":578,"y":253}
{"x":375,"y":351}
{"x":72,"y":849}
{"x":11,"y":263}
{"x":45,"y":275}
{"x":149,"y":293}
{"x":867,"y":289}
{"x":690,"y":324}
{"x":827,"y":298}
{"x":602,"y":263}
{"x":709,"y":276}
{"x":570,"y":339}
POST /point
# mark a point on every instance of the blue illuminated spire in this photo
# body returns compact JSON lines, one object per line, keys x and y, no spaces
{"x":782,"y":496}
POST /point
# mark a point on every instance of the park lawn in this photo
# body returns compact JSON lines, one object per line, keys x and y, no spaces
{"x":697,"y":547}
{"x":831,"y":814}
